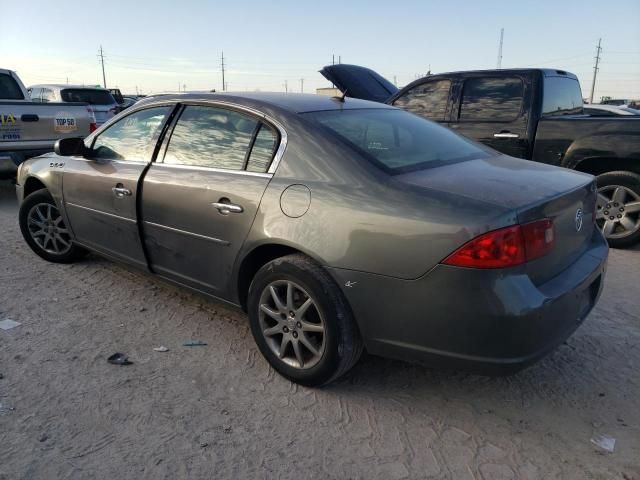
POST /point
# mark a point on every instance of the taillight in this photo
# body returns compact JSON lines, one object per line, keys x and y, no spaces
{"x":93,"y":126}
{"x":506,"y":247}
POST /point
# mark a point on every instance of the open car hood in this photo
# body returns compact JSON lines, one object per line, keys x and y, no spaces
{"x":359,"y":82}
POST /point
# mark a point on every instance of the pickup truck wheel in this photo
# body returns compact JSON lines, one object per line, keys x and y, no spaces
{"x":301,"y":321}
{"x":44,"y":230}
{"x":618,"y":208}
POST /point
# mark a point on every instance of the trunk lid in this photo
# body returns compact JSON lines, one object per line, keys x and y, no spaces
{"x":534,"y":191}
{"x":359,"y":82}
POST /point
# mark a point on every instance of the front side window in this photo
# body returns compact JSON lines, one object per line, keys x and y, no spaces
{"x":428,"y":100}
{"x":491,"y":99}
{"x":47,"y":95}
{"x":132,"y":137}
{"x":398,"y":141}
{"x":9,"y":88}
{"x":210,"y":137}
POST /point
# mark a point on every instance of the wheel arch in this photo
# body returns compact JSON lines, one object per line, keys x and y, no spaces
{"x":33,"y":184}
{"x":258,"y":256}
{"x":599,"y":165}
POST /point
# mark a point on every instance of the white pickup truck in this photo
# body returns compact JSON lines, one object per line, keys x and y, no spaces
{"x":28,"y":129}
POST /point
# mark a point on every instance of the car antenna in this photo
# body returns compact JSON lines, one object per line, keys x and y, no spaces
{"x":341,"y":97}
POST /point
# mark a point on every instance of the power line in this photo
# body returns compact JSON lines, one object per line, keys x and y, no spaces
{"x":595,"y":70}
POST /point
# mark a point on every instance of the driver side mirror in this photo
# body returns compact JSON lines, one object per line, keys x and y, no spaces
{"x":68,"y":147}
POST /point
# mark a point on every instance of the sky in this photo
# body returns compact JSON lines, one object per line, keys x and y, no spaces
{"x":154,"y":46}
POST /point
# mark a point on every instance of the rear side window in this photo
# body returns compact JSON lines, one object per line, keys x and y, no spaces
{"x":398,"y":141}
{"x":9,"y":88}
{"x":428,"y":100}
{"x":210,"y":137}
{"x":491,"y":99}
{"x":263,"y":149}
{"x":561,"y":96}
{"x":132,"y":137}
{"x":87,"y":95}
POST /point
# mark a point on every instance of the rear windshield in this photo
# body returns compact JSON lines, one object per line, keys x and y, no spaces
{"x":398,"y":141}
{"x":9,"y":89}
{"x":87,"y":95}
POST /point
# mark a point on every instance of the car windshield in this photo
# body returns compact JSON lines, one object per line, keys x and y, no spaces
{"x":398,"y":141}
{"x":87,"y":95}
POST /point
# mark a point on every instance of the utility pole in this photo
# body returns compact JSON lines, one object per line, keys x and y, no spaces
{"x":395,"y":81}
{"x":333,"y":59}
{"x":286,"y":87}
{"x":595,"y":70}
{"x":224,"y":85}
{"x":104,"y":78}
{"x":339,"y":59}
{"x":302,"y":85}
{"x":500,"y":48}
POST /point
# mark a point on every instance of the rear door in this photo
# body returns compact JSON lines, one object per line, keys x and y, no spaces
{"x":100,"y":191}
{"x":492,"y":109}
{"x":200,"y":201}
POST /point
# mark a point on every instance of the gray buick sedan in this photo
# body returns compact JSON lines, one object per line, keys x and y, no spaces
{"x":338,"y":224}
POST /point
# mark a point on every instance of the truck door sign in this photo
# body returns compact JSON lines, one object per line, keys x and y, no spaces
{"x":7,"y":119}
{"x":64,"y":122}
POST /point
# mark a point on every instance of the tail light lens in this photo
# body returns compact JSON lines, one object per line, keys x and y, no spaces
{"x":506,"y":247}
{"x":93,"y":126}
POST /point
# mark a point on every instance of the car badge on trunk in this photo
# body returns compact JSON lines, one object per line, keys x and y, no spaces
{"x":578,"y":220}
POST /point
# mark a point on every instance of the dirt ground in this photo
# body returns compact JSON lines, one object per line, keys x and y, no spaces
{"x":218,"y":411}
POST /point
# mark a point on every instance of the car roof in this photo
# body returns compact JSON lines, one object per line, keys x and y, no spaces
{"x":66,"y":85}
{"x":547,"y":72}
{"x":293,"y":102}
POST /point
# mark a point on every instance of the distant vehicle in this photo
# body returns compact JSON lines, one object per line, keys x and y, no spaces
{"x":536,"y":114}
{"x":599,"y":110}
{"x":615,"y":101}
{"x":117,"y":95}
{"x":102,"y":103}
{"x":128,"y":101}
{"x":337,"y":225}
{"x":28,"y":129}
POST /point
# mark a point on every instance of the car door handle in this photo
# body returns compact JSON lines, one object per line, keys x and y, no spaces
{"x":506,"y":135}
{"x":29,"y":117}
{"x":119,"y":191}
{"x":225,"y":207}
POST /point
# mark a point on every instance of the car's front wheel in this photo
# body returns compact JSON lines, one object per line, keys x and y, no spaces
{"x":44,"y":230}
{"x":618,"y":208}
{"x":301,"y":322}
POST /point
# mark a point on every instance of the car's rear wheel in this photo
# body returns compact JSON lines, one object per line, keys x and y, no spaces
{"x":44,"y":230}
{"x":301,"y":322}
{"x":618,"y":208}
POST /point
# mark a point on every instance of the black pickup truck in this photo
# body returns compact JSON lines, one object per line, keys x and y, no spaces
{"x":535,"y":114}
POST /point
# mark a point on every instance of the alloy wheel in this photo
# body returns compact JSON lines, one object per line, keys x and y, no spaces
{"x":47,"y":229}
{"x":618,"y":211}
{"x":292,"y":324}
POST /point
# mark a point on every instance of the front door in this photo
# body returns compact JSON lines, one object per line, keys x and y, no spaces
{"x":201,"y":197}
{"x":491,"y":110}
{"x":100,"y":192}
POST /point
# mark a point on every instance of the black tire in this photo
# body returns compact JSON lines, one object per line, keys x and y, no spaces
{"x":41,"y":197}
{"x":630,"y":181}
{"x":342,"y":342}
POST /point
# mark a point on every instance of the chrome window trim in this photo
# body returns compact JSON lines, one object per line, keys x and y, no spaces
{"x":203,"y":168}
{"x":185,"y":232}
{"x":69,"y":204}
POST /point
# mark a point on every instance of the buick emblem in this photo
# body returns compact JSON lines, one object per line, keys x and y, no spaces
{"x":578,"y":220}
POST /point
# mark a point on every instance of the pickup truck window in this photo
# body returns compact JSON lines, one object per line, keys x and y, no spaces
{"x":428,"y":99}
{"x":491,"y":99}
{"x":9,"y":88}
{"x":561,"y":96}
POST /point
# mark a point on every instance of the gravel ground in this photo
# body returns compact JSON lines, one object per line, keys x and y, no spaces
{"x":218,"y":411}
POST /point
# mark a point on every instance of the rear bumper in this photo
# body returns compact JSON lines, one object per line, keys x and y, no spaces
{"x":486,"y":321}
{"x":8,"y":166}
{"x":9,"y":160}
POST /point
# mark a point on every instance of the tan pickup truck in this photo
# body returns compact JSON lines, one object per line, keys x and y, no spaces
{"x":28,"y":128}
